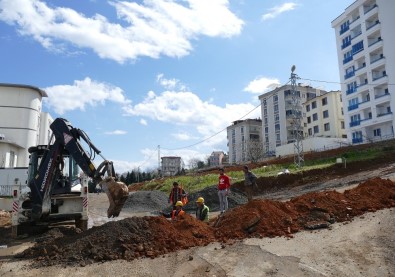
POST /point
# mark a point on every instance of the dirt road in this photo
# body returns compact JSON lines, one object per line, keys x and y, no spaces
{"x":364,"y":246}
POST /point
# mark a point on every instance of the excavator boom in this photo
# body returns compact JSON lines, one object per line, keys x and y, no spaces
{"x":68,"y":139}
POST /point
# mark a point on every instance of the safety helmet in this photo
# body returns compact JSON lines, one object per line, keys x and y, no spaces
{"x":178,"y":204}
{"x":200,"y":200}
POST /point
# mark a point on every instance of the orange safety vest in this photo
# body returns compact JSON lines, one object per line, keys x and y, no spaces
{"x":176,"y":213}
{"x":183,"y":199}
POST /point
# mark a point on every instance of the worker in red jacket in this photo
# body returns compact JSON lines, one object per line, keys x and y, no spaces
{"x":223,"y":190}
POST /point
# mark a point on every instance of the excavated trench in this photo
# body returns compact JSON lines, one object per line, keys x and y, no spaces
{"x":153,"y":236}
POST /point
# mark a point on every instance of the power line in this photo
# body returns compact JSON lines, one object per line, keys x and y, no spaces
{"x":340,"y":83}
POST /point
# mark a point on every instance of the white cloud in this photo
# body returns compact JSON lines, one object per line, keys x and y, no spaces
{"x":170,"y":84}
{"x":82,"y":93}
{"x":261,"y":85}
{"x":143,"y":122}
{"x":116,"y":132}
{"x":152,"y":28}
{"x":184,"y":136}
{"x":277,"y":10}
{"x":186,"y":109}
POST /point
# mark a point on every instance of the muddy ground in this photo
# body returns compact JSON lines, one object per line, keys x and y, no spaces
{"x":321,"y":224}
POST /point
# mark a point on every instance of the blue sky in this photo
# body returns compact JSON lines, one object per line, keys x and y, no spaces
{"x":137,"y":74}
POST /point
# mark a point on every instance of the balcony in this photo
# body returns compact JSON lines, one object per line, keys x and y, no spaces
{"x":344,"y":45}
{"x":349,"y":75}
{"x":357,"y":140}
{"x":379,"y":77}
{"x":346,"y":60}
{"x":351,"y":90}
{"x":355,"y":123}
{"x":353,"y":107}
{"x":368,"y":9}
{"x":344,"y":29}
{"x":382,"y":95}
{"x":377,"y":22}
{"x":383,"y":114}
{"x":358,"y":47}
{"x":374,"y":42}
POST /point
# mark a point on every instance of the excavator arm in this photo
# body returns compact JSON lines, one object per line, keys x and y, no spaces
{"x":68,"y":138}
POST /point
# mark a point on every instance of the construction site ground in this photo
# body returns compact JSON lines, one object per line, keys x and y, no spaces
{"x":331,"y":222}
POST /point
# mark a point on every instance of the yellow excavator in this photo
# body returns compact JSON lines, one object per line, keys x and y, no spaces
{"x":53,"y":171}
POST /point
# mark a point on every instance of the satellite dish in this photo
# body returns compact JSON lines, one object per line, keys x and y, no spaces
{"x":293,"y":68}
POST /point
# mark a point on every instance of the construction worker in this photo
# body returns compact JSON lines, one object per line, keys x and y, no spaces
{"x":249,"y":182}
{"x":178,"y":211}
{"x":177,"y":194}
{"x":223,"y":190}
{"x":202,"y":211}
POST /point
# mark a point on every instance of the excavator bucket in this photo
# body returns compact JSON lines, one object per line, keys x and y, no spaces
{"x":117,"y":193}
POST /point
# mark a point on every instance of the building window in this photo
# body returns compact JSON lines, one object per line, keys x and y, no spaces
{"x":310,"y":132}
{"x":275,"y":98}
{"x":308,"y":119}
{"x":308,"y":108}
{"x":342,"y":125}
{"x":325,"y":114}
{"x":316,"y":129}
{"x":276,"y":108}
{"x":315,"y":117}
{"x":377,"y":132}
{"x":277,"y":127}
{"x":313,"y":104}
{"x":324,"y":101}
{"x":242,"y":130}
{"x":265,"y":111}
{"x":326,"y":127}
{"x":277,"y":117}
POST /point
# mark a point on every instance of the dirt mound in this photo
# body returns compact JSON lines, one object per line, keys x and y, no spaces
{"x":315,"y":176}
{"x":137,"y":237}
{"x":145,"y":201}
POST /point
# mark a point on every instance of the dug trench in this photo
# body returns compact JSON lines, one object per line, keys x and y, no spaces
{"x":154,"y":236}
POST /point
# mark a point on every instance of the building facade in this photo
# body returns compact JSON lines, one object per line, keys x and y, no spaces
{"x":278,"y":109}
{"x":323,"y":116}
{"x":170,"y":165}
{"x":217,"y":158}
{"x":365,"y":40}
{"x":245,"y":141}
{"x":22,"y":123}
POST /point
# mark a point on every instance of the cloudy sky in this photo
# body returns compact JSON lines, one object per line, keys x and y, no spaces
{"x":153,"y":78}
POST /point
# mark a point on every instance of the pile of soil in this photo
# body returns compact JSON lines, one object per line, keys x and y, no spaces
{"x":146,"y":201}
{"x":137,"y":237}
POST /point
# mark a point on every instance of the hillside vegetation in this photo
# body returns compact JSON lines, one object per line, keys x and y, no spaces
{"x":197,"y":180}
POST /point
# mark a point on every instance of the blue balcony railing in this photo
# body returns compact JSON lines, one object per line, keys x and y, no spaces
{"x":353,"y":107}
{"x":349,"y":74}
{"x":348,"y":59}
{"x":355,"y":123}
{"x":351,"y":90}
{"x":357,"y":140}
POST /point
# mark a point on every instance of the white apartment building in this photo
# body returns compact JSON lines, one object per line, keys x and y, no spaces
{"x":323,"y":116}
{"x":170,"y":165}
{"x":245,"y":141}
{"x":365,"y":39}
{"x":277,"y":108}
{"x":22,"y":123}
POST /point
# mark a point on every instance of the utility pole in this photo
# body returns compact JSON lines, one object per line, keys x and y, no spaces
{"x":159,"y":171}
{"x":297,"y":117}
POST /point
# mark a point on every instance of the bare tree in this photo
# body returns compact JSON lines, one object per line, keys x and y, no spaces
{"x":255,"y":150}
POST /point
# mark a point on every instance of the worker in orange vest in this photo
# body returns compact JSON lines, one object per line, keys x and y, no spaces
{"x":177,"y":193}
{"x":178,"y":211}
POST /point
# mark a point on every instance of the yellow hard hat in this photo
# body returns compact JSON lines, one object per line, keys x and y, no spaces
{"x":178,"y":204}
{"x":200,"y":200}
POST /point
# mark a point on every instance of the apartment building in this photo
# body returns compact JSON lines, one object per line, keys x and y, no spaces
{"x":277,"y":109}
{"x":217,"y":158}
{"x":365,"y":40}
{"x":171,"y":165}
{"x":22,"y":123}
{"x":323,"y":116}
{"x":245,"y":141}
